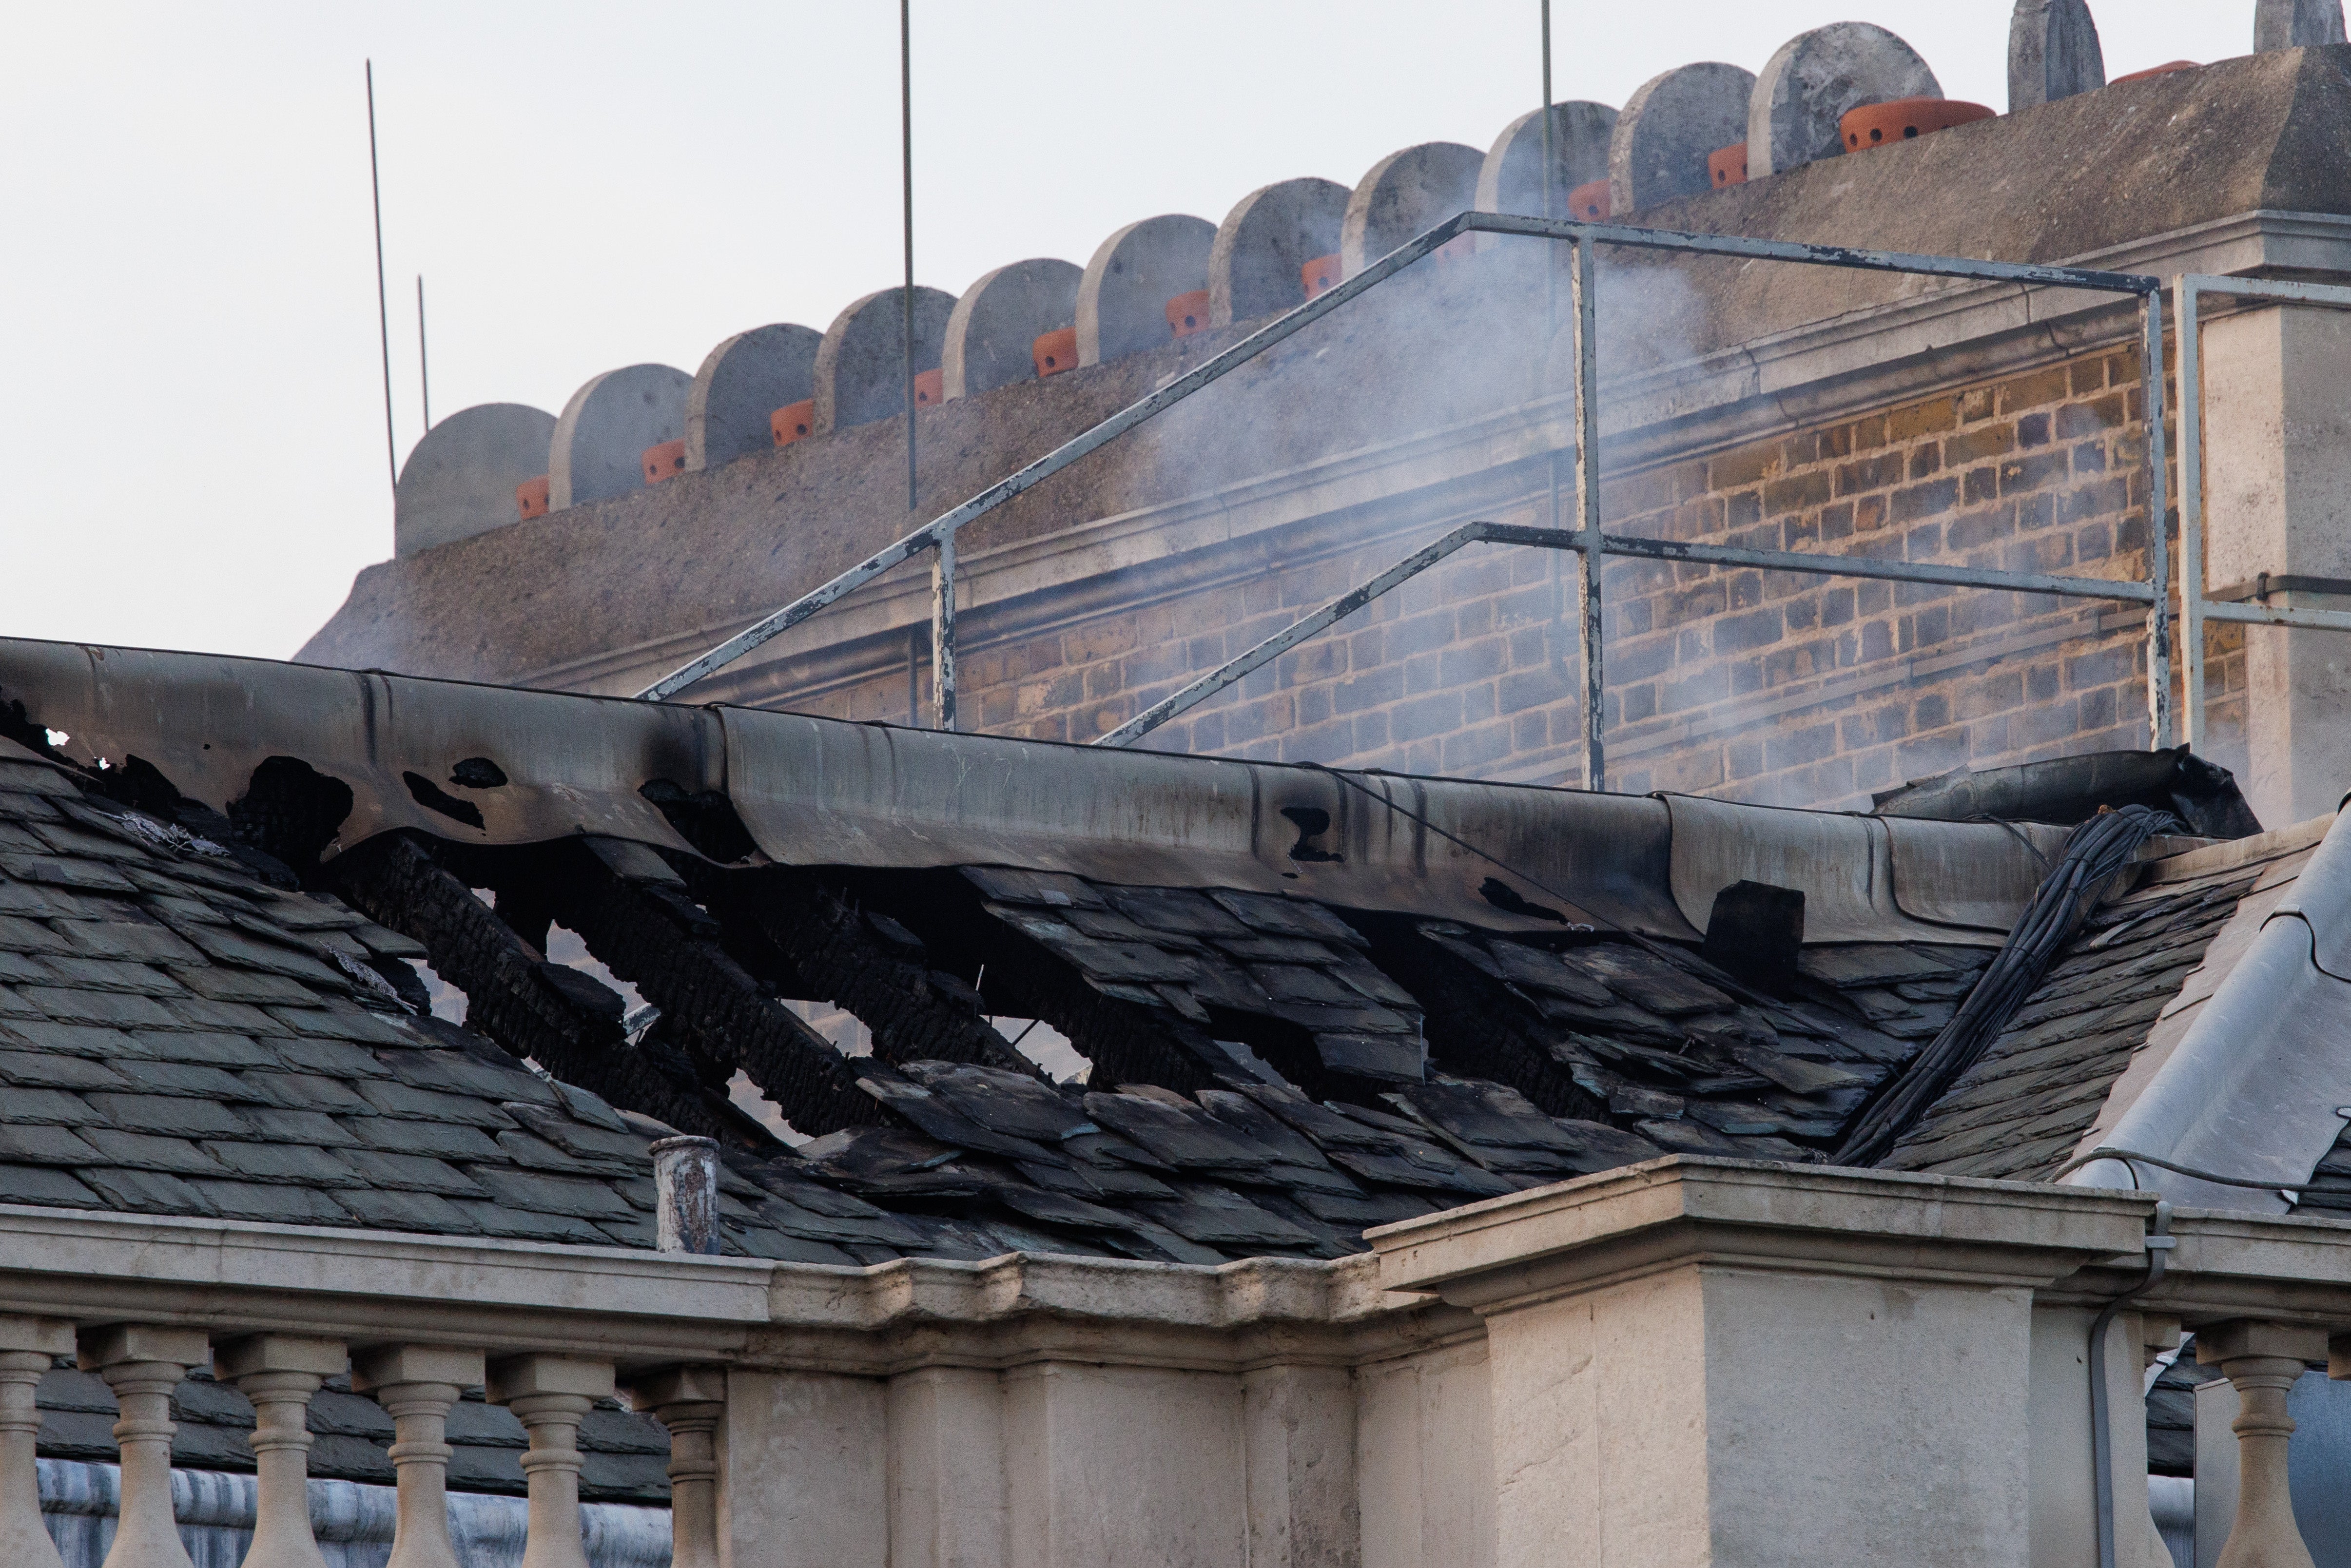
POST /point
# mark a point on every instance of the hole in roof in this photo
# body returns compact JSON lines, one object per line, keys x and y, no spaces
{"x":1510,"y":901}
{"x":449,"y":1003}
{"x":1045,"y":1046}
{"x":433,"y":797}
{"x":477,"y":773}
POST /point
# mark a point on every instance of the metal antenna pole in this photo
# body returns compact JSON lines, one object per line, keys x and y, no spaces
{"x":943,"y":562}
{"x":424,"y":366}
{"x":382,"y":306}
{"x":1550,"y":168}
{"x":906,"y":182}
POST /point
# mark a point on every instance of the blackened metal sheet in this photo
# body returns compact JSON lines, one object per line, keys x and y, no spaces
{"x":817,"y":791}
{"x":1948,"y":872}
{"x":1961,"y":882}
{"x":573,"y":764}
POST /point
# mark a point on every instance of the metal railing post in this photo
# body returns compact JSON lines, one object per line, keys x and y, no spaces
{"x":2192,"y":512}
{"x":1587,"y":520}
{"x":2159,"y":534}
{"x":943,"y":613}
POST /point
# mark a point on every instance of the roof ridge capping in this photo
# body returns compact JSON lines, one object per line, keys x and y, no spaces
{"x":482,"y":764}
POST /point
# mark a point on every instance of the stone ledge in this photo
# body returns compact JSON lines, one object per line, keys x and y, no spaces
{"x":1686,"y":1209}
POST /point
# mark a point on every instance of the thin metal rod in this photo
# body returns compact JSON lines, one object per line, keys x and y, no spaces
{"x":913,"y":669}
{"x":943,"y":650}
{"x":2159,"y":531}
{"x":2280,"y":615}
{"x":2192,"y":512}
{"x":382,"y":300}
{"x":2125,"y":590}
{"x":1587,"y":518}
{"x":907,"y":184}
{"x":1550,"y":168}
{"x":1282,"y":641}
{"x":1577,"y":542}
{"x":1810,"y":255}
{"x":1297,"y":320}
{"x":423,"y":364}
{"x":1053,"y":462}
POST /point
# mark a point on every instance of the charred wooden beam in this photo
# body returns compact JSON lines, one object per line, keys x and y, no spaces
{"x":789,"y":927}
{"x":1479,"y":1025}
{"x":561,"y":1019}
{"x":1132,"y":1030}
{"x":639,"y":920}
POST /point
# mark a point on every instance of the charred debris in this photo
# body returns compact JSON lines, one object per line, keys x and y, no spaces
{"x":1269,"y":1075}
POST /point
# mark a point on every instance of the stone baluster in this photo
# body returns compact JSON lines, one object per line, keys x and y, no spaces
{"x":279,"y":1373}
{"x":27,"y":1347}
{"x":417,"y":1385}
{"x":551,"y":1394}
{"x":143,"y":1363}
{"x":2262,"y":1361}
{"x":689,"y":1401}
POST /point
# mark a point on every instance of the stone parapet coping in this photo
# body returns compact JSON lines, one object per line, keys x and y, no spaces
{"x":1947,"y":336}
{"x":1427,"y":1284}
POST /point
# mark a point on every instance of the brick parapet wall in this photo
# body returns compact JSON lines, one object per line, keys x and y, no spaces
{"x":1782,"y":687}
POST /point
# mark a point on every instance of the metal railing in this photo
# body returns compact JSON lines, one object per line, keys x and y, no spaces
{"x":1585,"y":540}
{"x":2196,"y":605}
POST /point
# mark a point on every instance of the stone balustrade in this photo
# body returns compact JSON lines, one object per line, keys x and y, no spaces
{"x":1687,"y":1362}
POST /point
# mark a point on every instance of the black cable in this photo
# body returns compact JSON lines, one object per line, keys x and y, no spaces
{"x":2127,"y":1156}
{"x":2095,"y":851}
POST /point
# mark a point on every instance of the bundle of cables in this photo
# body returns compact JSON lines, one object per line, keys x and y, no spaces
{"x":2098,"y":849}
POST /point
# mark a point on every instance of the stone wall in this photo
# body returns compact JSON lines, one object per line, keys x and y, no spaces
{"x":1778,"y":687}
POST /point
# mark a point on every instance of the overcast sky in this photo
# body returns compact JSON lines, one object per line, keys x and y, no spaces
{"x":192,"y":403}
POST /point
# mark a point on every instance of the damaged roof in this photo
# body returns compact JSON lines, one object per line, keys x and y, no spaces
{"x":225,"y":902}
{"x":1309,"y":1002}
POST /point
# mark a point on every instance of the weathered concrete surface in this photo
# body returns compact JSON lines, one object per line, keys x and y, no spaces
{"x":1815,"y":79}
{"x":2294,"y":24}
{"x":742,"y":382}
{"x":2277,"y":482}
{"x":2053,"y":52}
{"x":1511,"y":178}
{"x":1658,"y":149}
{"x":860,"y":366}
{"x":460,"y":480}
{"x":995,"y":322}
{"x":1123,"y":299}
{"x":1405,"y":194}
{"x":1265,"y":242}
{"x":2066,"y":179}
{"x":597,"y":451}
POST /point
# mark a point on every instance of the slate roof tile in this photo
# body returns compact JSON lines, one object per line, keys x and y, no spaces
{"x":210,"y":1047}
{"x":147,"y":1192}
{"x":168,"y":1115}
{"x":42,"y":1143}
{"x":46,"y":1187}
{"x":150,"y":1152}
{"x":403,"y":1102}
{"x":298,"y":1163}
{"x":109,"y":1010}
{"x":382,"y":1208}
{"x":441,"y":1140}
